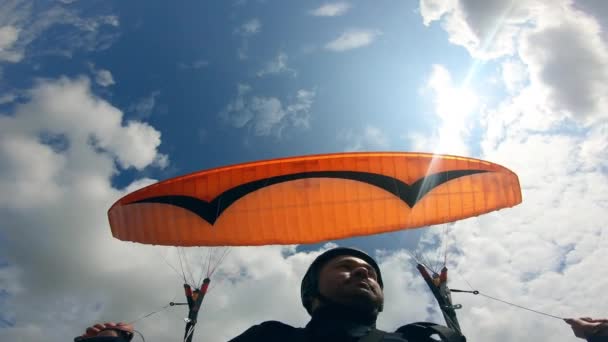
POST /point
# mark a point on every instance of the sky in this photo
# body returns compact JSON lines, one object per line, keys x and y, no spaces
{"x":100,"y":98}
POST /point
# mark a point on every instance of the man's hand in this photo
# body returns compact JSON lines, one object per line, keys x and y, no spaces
{"x":585,"y":327}
{"x":108,"y":329}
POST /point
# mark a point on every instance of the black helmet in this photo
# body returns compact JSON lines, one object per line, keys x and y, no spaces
{"x":310,"y":283}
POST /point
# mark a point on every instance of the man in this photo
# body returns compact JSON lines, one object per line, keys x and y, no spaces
{"x":343,"y":292}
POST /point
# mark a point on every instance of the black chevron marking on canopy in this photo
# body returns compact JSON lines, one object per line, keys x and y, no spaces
{"x":410,"y":194}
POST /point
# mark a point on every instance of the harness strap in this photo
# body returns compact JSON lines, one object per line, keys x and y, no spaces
{"x":424,"y":330}
{"x":374,"y":335}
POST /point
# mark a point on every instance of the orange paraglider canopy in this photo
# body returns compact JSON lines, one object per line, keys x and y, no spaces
{"x":311,"y":199}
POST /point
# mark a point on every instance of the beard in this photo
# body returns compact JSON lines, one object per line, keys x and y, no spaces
{"x":360,"y":296}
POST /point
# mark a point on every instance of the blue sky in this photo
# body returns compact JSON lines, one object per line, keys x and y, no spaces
{"x":99,"y":98}
{"x":187,"y":60}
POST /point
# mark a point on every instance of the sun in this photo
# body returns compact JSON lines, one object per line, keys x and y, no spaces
{"x":455,"y":105}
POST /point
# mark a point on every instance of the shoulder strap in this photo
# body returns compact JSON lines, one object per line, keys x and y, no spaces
{"x":424,"y":330}
{"x":374,"y":335}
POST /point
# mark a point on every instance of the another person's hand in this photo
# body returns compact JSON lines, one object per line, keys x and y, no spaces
{"x":109,"y":329}
{"x":585,"y":327}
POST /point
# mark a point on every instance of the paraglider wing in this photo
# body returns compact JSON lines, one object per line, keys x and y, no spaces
{"x":312,"y":199}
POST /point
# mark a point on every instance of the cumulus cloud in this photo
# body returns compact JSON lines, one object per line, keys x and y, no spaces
{"x":432,"y":10}
{"x":560,"y":68}
{"x":268,"y":115}
{"x":332,"y":9}
{"x":575,"y":73}
{"x":353,"y":39}
{"x":551,"y":130}
{"x":487,"y":29}
{"x":60,"y":149}
{"x":538,"y":260}
{"x":277,"y":66}
{"x":64,"y":117}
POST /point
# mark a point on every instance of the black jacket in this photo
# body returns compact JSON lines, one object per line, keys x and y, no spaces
{"x":327,"y":324}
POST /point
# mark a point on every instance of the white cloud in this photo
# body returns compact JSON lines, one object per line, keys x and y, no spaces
{"x":246,"y":30}
{"x":21,"y":24}
{"x":419,"y":142}
{"x":104,"y":78}
{"x":432,"y":10}
{"x":161,"y":161}
{"x":594,"y":148}
{"x":372,"y":138}
{"x":250,"y":27}
{"x":237,"y":112}
{"x":486,"y":29}
{"x":575,"y":73}
{"x":7,"y":98}
{"x":403,"y":287}
{"x":267,"y":115}
{"x":565,"y":68}
{"x":551,"y":131}
{"x":64,"y":118}
{"x":277,"y":66}
{"x":514,"y":75}
{"x":536,"y":258}
{"x":8,"y":37}
{"x":143,"y":107}
{"x":25,"y":176}
{"x":299,"y":109}
{"x":353,"y":39}
{"x":332,"y":9}
{"x":59,"y":151}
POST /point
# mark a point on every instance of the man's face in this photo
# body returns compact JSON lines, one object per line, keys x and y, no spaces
{"x":351,"y":281}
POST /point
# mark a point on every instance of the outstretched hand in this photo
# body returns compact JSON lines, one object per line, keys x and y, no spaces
{"x":585,"y":327}
{"x":109,"y":329}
